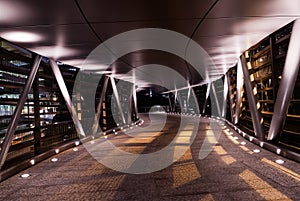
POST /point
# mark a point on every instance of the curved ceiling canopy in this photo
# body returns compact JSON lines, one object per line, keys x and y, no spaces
{"x":69,"y":30}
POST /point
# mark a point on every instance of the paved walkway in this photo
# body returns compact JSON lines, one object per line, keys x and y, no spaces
{"x":232,"y":171}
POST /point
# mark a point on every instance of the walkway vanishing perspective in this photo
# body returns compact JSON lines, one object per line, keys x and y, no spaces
{"x":236,"y":169}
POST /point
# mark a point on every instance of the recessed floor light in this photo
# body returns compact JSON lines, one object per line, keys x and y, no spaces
{"x":54,"y":159}
{"x":25,"y":175}
{"x":279,"y":161}
{"x":75,"y":149}
{"x":256,"y":150}
{"x":243,"y":143}
{"x":235,"y":138}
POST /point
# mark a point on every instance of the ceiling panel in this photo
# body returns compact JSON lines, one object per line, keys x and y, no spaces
{"x":243,"y":25}
{"x":271,"y":8}
{"x":18,"y":13}
{"x":107,"y":30}
{"x":140,"y":10}
{"x":61,"y":39}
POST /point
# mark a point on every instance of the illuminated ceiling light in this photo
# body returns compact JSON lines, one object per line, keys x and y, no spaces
{"x":75,"y":149}
{"x":56,"y":151}
{"x":54,"y":159}
{"x":32,"y":162}
{"x":25,"y":175}
{"x":77,"y":143}
{"x":256,"y":150}
{"x":250,"y":138}
{"x":244,"y":134}
{"x":243,"y":143}
{"x":21,"y":37}
{"x":279,"y":161}
{"x":114,"y":130}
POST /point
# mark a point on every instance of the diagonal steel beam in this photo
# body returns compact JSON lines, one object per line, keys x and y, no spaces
{"x":99,"y":107}
{"x":206,"y":97}
{"x":62,"y":86}
{"x":287,"y":83}
{"x":239,"y":87}
{"x":255,"y":113}
{"x":116,"y":94}
{"x":17,"y":113}
{"x":135,"y":101}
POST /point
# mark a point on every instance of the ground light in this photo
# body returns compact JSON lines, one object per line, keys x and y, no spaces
{"x":256,"y":150}
{"x":54,"y":159}
{"x":25,"y":175}
{"x":279,"y":161}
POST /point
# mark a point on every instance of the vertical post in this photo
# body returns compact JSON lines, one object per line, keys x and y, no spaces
{"x":287,"y":83}
{"x":230,"y":94}
{"x":175,"y":97}
{"x":17,"y":113}
{"x":225,"y":96}
{"x":196,"y":101}
{"x":216,"y":98}
{"x":116,"y":94}
{"x":37,"y":118}
{"x":135,"y":102}
{"x":255,"y":114}
{"x":99,"y":107}
{"x":206,"y":97}
{"x":62,"y":86}
{"x":170,"y":104}
{"x":239,"y":87}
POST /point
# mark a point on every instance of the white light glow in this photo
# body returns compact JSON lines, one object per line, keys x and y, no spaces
{"x":278,"y":151}
{"x":261,"y":144}
{"x":279,"y":161}
{"x":75,"y":149}
{"x":55,"y":52}
{"x":256,"y":150}
{"x":235,"y":138}
{"x":243,"y":143}
{"x":54,"y":159}
{"x":25,"y":175}
{"x":92,"y":142}
{"x":32,"y":162}
{"x":77,"y":143}
{"x":56,"y":151}
{"x":21,"y":37}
